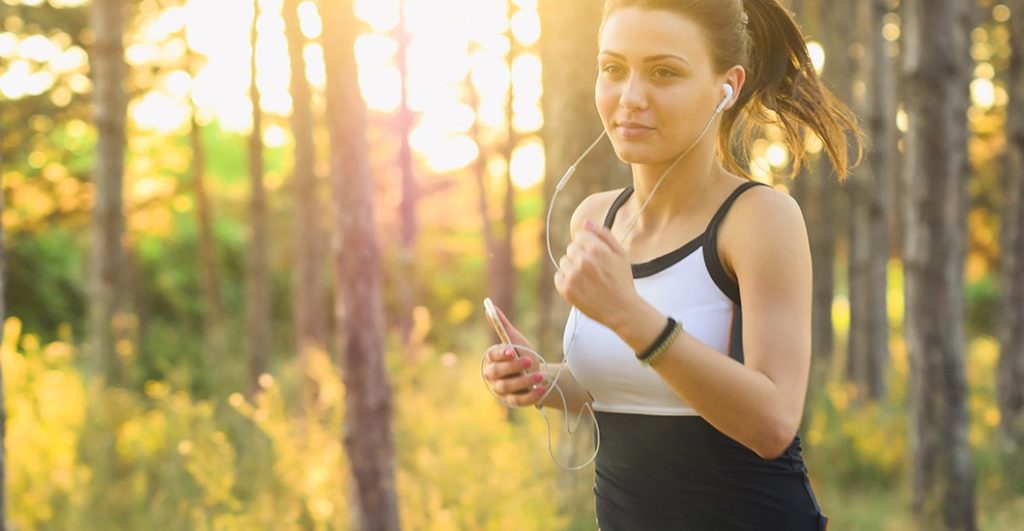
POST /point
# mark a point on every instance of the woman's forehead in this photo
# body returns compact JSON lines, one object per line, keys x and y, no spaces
{"x":638,"y":33}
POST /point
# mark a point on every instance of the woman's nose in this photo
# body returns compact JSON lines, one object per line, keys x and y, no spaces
{"x":633,"y":96}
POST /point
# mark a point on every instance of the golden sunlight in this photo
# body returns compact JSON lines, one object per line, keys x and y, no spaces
{"x":817,"y":52}
{"x":528,"y":164}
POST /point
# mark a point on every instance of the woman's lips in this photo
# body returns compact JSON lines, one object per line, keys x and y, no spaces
{"x":632,"y":130}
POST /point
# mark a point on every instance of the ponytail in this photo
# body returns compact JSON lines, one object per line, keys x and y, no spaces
{"x":782,"y":87}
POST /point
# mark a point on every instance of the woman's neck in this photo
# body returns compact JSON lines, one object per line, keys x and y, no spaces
{"x":684,"y":190}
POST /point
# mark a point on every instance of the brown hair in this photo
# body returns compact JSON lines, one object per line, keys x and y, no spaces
{"x":781,"y":86}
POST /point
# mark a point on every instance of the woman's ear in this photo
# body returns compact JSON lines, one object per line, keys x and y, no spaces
{"x":735,"y":77}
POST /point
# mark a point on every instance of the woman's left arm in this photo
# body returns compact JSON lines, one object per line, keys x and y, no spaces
{"x":759,"y":403}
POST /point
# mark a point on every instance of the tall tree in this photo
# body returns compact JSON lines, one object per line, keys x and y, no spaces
{"x":1011,"y":325}
{"x":368,"y":438}
{"x":943,"y":479}
{"x":310,"y":320}
{"x":3,"y":400}
{"x":868,"y":347}
{"x":107,"y":66}
{"x":213,"y":303}
{"x":258,"y":274}
{"x":821,"y":191}
{"x":410,"y":187}
{"x":504,"y":287}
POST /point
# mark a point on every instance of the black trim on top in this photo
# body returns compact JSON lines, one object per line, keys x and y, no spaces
{"x":728,"y":286}
{"x":661,"y":263}
{"x":609,"y":218}
{"x":736,"y":335}
{"x":708,"y":239}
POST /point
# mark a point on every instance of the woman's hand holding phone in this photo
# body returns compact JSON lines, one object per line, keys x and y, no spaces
{"x":514,"y":376}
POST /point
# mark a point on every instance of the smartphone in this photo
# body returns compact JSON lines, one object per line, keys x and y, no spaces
{"x":492,"y":315}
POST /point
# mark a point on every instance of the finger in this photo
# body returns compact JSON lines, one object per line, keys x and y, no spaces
{"x":499,"y":353}
{"x":518,"y":384}
{"x":604,"y":235}
{"x":526,"y":399}
{"x":565,"y":263}
{"x":512,"y":368}
{"x":575,"y":248}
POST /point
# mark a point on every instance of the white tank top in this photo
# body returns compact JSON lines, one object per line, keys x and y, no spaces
{"x":688,"y":284}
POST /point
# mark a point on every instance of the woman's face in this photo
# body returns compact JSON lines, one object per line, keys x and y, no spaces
{"x":656,"y":88}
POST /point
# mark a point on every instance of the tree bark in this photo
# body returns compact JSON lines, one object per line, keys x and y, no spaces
{"x":943,"y":479}
{"x":823,"y":207}
{"x":258,"y":304}
{"x":213,"y":303}
{"x":505,"y":274}
{"x":3,"y":398}
{"x":310,"y":319}
{"x":105,"y":276}
{"x":410,"y":190}
{"x":1011,"y":325}
{"x":368,"y":438}
{"x":868,"y":347}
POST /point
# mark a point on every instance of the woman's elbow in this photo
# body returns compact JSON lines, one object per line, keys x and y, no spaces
{"x":776,"y":440}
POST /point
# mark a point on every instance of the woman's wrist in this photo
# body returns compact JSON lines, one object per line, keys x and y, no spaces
{"x":638,"y":325}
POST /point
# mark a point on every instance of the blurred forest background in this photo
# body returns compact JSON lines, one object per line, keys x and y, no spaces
{"x":245,"y":244}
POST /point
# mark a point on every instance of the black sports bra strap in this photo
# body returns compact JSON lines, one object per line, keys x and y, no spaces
{"x":724,"y":209}
{"x":616,"y":205}
{"x":711,"y":258}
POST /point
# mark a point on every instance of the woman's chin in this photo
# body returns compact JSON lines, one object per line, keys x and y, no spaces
{"x":632,"y":155}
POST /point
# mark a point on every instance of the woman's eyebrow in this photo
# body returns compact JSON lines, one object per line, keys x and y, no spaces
{"x":646,"y":59}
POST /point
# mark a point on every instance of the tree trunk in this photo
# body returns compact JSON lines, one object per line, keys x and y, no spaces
{"x":410,"y":190}
{"x":505,"y":274}
{"x":491,"y":250}
{"x":1011,"y":325}
{"x":105,"y":276}
{"x":213,"y":303}
{"x":310,"y":320}
{"x":569,"y":40}
{"x":3,"y":400}
{"x":258,"y":304}
{"x":943,"y":479}
{"x":820,"y":191}
{"x":868,"y":347}
{"x":368,"y":438}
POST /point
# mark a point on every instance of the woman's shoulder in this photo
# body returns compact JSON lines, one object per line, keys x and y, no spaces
{"x":761,"y":217}
{"x":594,"y":207}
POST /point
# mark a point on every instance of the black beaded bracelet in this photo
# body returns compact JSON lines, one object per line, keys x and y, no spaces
{"x":662,"y":337}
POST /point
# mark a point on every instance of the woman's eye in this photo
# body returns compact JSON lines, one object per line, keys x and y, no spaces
{"x":663,"y":72}
{"x":611,"y":69}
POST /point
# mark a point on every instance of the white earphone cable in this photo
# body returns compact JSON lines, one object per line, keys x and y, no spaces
{"x":553,"y":384}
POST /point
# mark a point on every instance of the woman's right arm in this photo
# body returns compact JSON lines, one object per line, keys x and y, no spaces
{"x":575,"y":395}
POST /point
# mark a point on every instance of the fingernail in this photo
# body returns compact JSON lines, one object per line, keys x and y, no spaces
{"x":527,"y":362}
{"x":588,"y":224}
{"x":508,"y":352}
{"x":540,"y":389}
{"x":537,"y":376}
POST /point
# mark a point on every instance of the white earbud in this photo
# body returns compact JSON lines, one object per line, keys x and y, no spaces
{"x":729,"y":91}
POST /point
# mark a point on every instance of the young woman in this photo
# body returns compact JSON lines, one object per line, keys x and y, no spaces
{"x":692,"y":338}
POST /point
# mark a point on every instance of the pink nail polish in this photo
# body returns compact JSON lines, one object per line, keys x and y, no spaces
{"x":527,"y":362}
{"x":537,"y":376}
